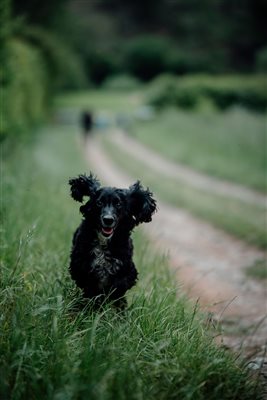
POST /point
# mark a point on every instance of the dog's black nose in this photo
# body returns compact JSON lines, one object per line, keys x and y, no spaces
{"x":108,"y":220}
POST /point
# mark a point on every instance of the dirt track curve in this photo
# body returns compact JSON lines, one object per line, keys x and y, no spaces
{"x":209,"y":262}
{"x":178,"y":171}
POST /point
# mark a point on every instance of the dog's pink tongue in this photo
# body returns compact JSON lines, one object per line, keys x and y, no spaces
{"x":107,"y":231}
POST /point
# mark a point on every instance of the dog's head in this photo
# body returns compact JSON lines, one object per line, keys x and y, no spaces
{"x":107,"y":206}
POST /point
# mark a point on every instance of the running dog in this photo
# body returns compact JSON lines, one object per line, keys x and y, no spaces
{"x":101,"y":261}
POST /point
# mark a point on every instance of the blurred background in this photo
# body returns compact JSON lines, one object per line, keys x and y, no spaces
{"x":185,"y":78}
{"x":51,"y":46}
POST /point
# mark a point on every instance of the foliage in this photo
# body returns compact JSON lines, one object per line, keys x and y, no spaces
{"x":166,"y":90}
{"x":35,"y":65}
{"x":50,"y":347}
{"x":64,"y":67}
{"x":181,"y":62}
{"x":100,"y":65}
{"x":261,"y":60}
{"x":159,"y":37}
{"x":45,"y":13}
{"x":246,"y":91}
{"x":5,"y":23}
{"x":25,"y":93}
{"x":146,"y":56}
{"x":223,"y":91}
{"x":5,"y":19}
{"x":224,"y":33}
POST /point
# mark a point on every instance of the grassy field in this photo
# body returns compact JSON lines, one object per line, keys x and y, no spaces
{"x":230,"y":145}
{"x":161,"y":347}
{"x":97,"y":100}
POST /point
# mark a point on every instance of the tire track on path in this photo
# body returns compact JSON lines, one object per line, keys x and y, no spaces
{"x":183,"y":173}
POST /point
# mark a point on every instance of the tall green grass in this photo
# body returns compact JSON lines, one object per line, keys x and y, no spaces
{"x":49,"y":348}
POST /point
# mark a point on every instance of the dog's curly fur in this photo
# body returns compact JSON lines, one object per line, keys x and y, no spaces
{"x":101,"y":257}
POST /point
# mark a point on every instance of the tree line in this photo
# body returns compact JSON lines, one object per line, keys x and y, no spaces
{"x":70,"y":44}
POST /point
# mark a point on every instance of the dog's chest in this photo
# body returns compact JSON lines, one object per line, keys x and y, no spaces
{"x":103,"y":264}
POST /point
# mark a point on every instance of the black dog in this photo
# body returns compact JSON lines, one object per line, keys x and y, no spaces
{"x":86,"y":122}
{"x":101,"y":257}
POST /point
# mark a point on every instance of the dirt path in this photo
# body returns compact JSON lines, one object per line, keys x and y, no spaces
{"x":209,"y":263}
{"x":178,"y":171}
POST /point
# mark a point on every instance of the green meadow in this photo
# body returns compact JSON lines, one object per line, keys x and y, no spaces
{"x":229,"y":145}
{"x":52,"y":345}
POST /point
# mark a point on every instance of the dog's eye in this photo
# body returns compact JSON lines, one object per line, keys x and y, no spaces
{"x":118,"y":204}
{"x":99,"y":203}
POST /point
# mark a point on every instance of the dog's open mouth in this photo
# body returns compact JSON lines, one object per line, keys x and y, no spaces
{"x":107,"y":232}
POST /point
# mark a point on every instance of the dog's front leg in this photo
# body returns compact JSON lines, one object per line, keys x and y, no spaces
{"x":120,"y":286}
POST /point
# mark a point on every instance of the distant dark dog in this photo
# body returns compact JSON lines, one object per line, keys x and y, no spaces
{"x":101,"y":257}
{"x":86,"y":122}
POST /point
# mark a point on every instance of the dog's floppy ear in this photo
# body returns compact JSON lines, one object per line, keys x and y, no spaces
{"x":141,"y":203}
{"x":83,"y":186}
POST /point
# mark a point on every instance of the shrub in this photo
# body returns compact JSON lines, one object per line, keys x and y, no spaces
{"x":261,"y":60}
{"x":146,"y":56}
{"x":180,"y":62}
{"x":185,"y":98}
{"x":247,"y":91}
{"x":223,"y":91}
{"x":161,"y":91}
{"x":168,"y":90}
{"x":25,"y":92}
{"x":34,"y":67}
{"x":64,"y":66}
{"x":100,"y":65}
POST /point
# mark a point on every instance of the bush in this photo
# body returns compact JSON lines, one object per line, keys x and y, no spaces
{"x":100,"y":65}
{"x":261,"y":60}
{"x":168,"y":90}
{"x":146,"y":56}
{"x":180,"y":62}
{"x":161,"y":91}
{"x":64,"y":66}
{"x":223,"y":91}
{"x":25,"y":93}
{"x":246,"y":91}
{"x":34,"y":68}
